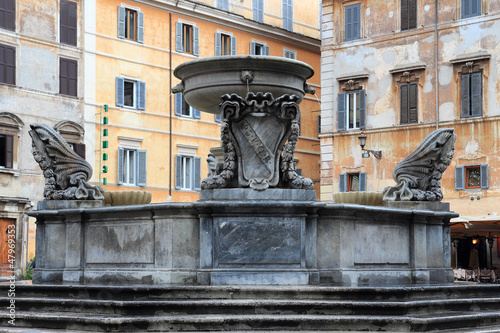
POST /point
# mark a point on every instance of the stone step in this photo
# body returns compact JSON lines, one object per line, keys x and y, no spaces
{"x":230,"y":322}
{"x":247,"y":306}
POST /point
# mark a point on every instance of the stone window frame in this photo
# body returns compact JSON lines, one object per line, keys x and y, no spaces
{"x":458,"y":12}
{"x":12,"y":125}
{"x":420,"y":9}
{"x":471,"y":63}
{"x":187,"y":152}
{"x":350,"y":83}
{"x":407,"y":74}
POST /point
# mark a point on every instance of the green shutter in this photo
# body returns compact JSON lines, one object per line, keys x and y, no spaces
{"x":121,"y":155}
{"x":412,"y":14}
{"x":9,"y":151}
{"x":465,"y":95}
{"x":484,"y":176}
{"x":196,"y":41}
{"x":404,"y":103}
{"x":197,"y":174}
{"x":178,"y":171}
{"x":477,"y":94}
{"x":413,"y":102}
{"x":362,"y":181}
{"x":362,"y":109}
{"x":341,"y":111}
{"x":343,"y":182}
{"x":120,"y":91}
{"x":140,"y":27}
{"x":141,"y":167}
{"x":178,"y":37}
{"x":459,"y":178}
{"x":218,"y":44}
{"x":122,"y":14}
{"x":404,"y":14}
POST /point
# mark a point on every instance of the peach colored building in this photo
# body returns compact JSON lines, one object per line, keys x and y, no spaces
{"x":153,"y":140}
{"x":399,"y":70}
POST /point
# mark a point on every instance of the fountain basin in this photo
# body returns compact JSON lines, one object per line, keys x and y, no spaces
{"x":206,"y":80}
{"x":125,"y":198}
{"x":359,"y":198}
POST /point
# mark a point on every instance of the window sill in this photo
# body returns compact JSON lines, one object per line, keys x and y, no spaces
{"x":68,"y":96}
{"x":13,"y":172}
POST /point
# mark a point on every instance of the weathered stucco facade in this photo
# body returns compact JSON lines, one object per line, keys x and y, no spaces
{"x":156,"y":128}
{"x":450,"y":64}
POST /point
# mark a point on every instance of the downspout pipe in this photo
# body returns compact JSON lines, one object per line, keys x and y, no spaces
{"x":436,"y":65}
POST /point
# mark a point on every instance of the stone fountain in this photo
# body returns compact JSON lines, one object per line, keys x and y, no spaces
{"x":257,"y":221}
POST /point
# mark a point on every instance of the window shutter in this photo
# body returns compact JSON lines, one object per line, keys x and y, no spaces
{"x":476,"y":7}
{"x":459,"y":178}
{"x":352,"y":22}
{"x":348,"y":23}
{"x":72,"y":78}
{"x":120,"y":91}
{"x":412,"y":14}
{"x":404,"y":103}
{"x":465,"y":8}
{"x":356,"y":21}
{"x":178,"y":171}
{"x":9,"y":14}
{"x":343,"y":182}
{"x":477,"y":94}
{"x":218,"y":118}
{"x":141,"y":168}
{"x":362,"y":181}
{"x":465,"y":95}
{"x":341,"y":111}
{"x":9,"y":151}
{"x":258,"y":10}
{"x":404,"y":14}
{"x":266,"y":50}
{"x":196,"y":41}
{"x":63,"y":22}
{"x":79,"y":149}
{"x":140,"y":27}
{"x":121,"y":154}
{"x":7,"y":64}
{"x":196,"y":113}
{"x":141,"y":95}
{"x":484,"y":176}
{"x":319,"y":125}
{"x":178,"y":37}
{"x":121,"y":21}
{"x":413,"y":102}
{"x":197,"y":174}
{"x":252,"y":48}
{"x":362,"y":109}
{"x":63,"y":77}
{"x":218,"y":44}
{"x":233,"y":45}
{"x":178,"y":104}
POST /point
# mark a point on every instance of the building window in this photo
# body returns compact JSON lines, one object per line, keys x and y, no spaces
{"x":471,"y":177}
{"x":187,"y":172}
{"x":288,"y":15}
{"x":130,"y":24}
{"x":258,"y":48}
{"x":223,"y":4}
{"x":409,"y":102}
{"x":7,"y":64}
{"x":218,"y":118}
{"x":182,"y":108}
{"x":130,"y":93}
{"x":187,"y":38}
{"x":258,"y":10}
{"x":471,"y":8}
{"x":68,"y":77}
{"x":6,"y":151}
{"x":132,"y":167}
{"x":67,"y":22}
{"x":472,"y":95}
{"x":8,"y":14}
{"x":352,"y":182}
{"x":352,"y":22}
{"x":289,"y":54}
{"x":408,"y":14}
{"x":225,"y":44}
{"x":351,"y":111}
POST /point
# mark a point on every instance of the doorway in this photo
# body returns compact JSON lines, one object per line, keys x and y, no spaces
{"x":7,"y":227}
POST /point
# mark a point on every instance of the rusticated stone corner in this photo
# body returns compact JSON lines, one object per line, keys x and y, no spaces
{"x":418,"y":176}
{"x":66,"y":173}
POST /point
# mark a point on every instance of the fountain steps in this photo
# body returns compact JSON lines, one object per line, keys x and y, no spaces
{"x":100,"y":308}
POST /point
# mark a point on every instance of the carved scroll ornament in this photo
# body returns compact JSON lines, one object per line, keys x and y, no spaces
{"x":418,"y":176}
{"x":66,"y":173}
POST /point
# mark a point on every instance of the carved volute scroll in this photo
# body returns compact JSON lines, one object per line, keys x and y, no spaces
{"x":254,"y":131}
{"x":66,"y":174}
{"x":418,"y":176}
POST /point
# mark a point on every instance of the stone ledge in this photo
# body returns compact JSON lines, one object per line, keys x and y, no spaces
{"x":420,"y":205}
{"x":250,"y":194}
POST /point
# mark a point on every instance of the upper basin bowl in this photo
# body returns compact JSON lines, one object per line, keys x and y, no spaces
{"x":206,"y":80}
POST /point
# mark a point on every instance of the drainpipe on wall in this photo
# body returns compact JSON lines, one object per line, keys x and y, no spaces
{"x":170,"y":110}
{"x":436,"y":60}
